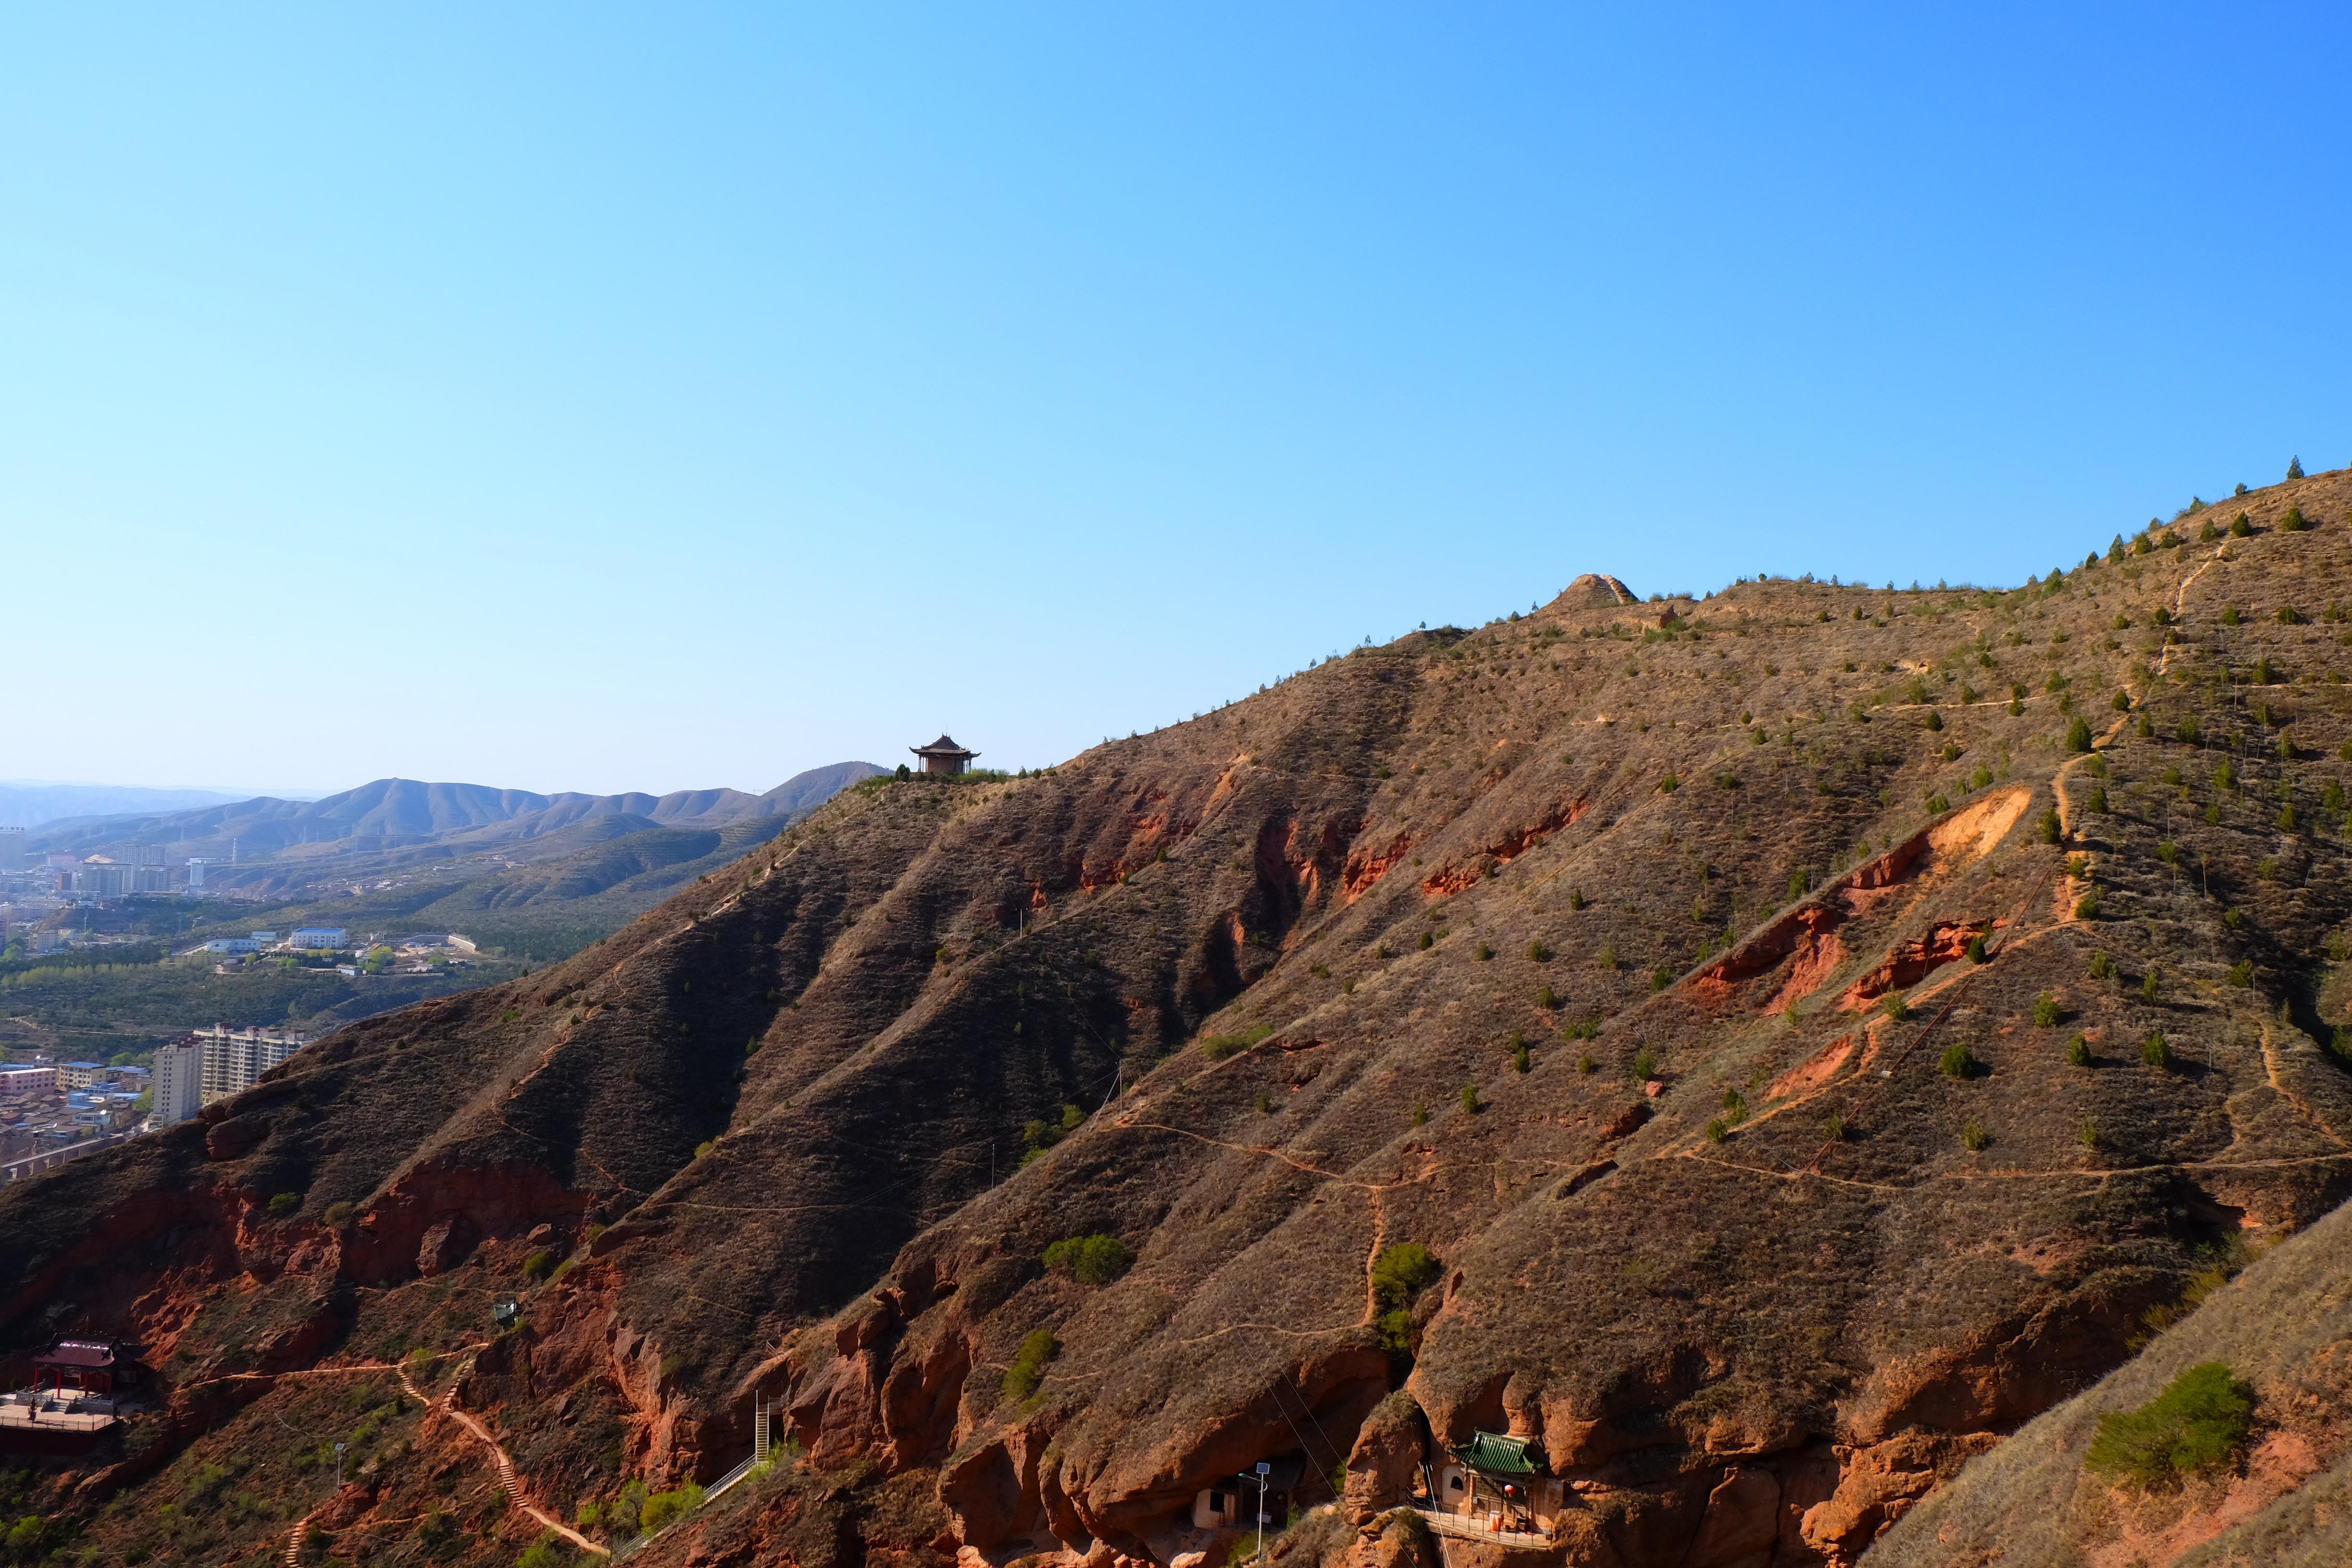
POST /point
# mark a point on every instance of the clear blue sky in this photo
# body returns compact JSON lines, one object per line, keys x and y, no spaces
{"x":645,"y":397}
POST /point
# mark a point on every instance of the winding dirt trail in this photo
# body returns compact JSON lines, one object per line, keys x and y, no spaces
{"x":447,"y":1404}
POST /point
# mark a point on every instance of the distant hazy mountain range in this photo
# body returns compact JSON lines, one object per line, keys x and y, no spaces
{"x":33,"y":805}
{"x":539,"y":874}
{"x":394,"y":814}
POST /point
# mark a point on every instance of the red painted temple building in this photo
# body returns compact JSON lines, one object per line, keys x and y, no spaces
{"x":97,"y":1367}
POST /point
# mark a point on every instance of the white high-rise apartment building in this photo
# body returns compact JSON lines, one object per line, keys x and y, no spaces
{"x":234,"y":1059}
{"x":179,"y":1080}
{"x":212,"y":1064}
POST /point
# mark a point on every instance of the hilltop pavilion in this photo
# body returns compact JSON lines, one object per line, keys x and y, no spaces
{"x":943,"y":756}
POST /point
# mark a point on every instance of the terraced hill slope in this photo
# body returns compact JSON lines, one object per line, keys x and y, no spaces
{"x":1750,"y":1005}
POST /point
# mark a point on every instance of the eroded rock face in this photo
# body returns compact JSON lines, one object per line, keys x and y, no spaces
{"x":1384,"y":1468}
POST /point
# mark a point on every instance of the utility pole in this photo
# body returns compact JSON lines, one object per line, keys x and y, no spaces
{"x":338,"y":1464}
{"x":1264,"y":1471}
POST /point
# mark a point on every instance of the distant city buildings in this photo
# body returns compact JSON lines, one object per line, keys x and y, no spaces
{"x":206,"y":1065}
{"x":51,"y":1111}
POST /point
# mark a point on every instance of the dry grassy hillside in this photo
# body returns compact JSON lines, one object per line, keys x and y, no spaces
{"x":2285,"y":1327}
{"x":1698,"y":982}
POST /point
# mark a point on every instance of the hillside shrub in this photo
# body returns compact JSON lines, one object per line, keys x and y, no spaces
{"x":1399,"y":1274}
{"x":1958,"y":1061}
{"x":1897,"y":1006}
{"x":2294,"y":471}
{"x":2120,"y":701}
{"x":1645,"y":1064}
{"x":1428,"y":940}
{"x":1217,"y":1047}
{"x":1028,"y":1368}
{"x":2156,"y":1050}
{"x":2149,"y":986}
{"x":2293,"y":521}
{"x":1973,"y":1136}
{"x":1660,"y":977}
{"x":1520,"y":1060}
{"x":2078,"y":735}
{"x":1715,"y":1131}
{"x":2230,"y":617}
{"x":2199,"y":1424}
{"x":2286,"y":818}
{"x":665,"y":1508}
{"x":1470,"y":1099}
{"x":550,"y":1551}
{"x":2242,"y":527}
{"x":1538,"y":952}
{"x":1833,"y":1128}
{"x":1482,"y":953}
{"x":1547,"y":999}
{"x":2078,"y":1051}
{"x":283,"y":1205}
{"x":1976,"y":950}
{"x":1095,"y":1259}
{"x":337,"y":1212}
{"x":539,"y":1265}
{"x":2050,"y":827}
{"x":1935,"y":720}
{"x":2046,"y":1011}
{"x":2097,"y":803}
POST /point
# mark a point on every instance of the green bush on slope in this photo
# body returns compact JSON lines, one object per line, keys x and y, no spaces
{"x":2198,"y":1423}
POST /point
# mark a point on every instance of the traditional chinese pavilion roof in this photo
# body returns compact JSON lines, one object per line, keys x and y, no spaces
{"x":76,"y":1353}
{"x":944,"y":746}
{"x":1491,"y":1453}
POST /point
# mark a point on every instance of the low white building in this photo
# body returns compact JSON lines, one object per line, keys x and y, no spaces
{"x":320,"y":938}
{"x":16,"y":1081}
